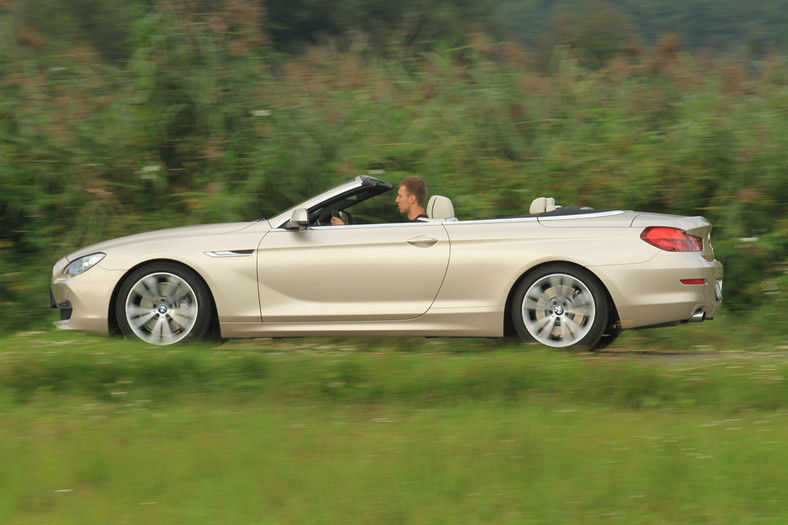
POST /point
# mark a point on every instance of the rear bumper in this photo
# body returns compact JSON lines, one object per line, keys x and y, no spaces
{"x":653,"y":294}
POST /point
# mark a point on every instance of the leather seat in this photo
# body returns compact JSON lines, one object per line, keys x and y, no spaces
{"x":542,"y":205}
{"x":440,"y":208}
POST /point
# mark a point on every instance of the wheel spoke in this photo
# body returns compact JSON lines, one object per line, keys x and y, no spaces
{"x":184,"y":316}
{"x":147,"y":289}
{"x":162,"y":331}
{"x":534,"y":303}
{"x":139,"y":316}
{"x":569,"y":328}
{"x":566,"y":333}
{"x":176,"y":289}
{"x":543,"y":323}
{"x":584,"y":309}
{"x":556,"y":282}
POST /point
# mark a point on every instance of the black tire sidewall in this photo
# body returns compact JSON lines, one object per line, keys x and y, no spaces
{"x":587,"y":278}
{"x":204,"y":304}
{"x":608,"y":337}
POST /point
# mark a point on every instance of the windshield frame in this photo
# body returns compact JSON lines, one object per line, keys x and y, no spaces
{"x":362,"y":187}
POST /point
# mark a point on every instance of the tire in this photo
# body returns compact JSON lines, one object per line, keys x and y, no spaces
{"x":561,"y":306}
{"x":608,"y":336}
{"x":163,"y":304}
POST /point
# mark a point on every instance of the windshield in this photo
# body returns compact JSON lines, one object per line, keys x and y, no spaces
{"x":341,"y":198}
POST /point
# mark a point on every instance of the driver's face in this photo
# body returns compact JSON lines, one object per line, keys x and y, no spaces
{"x":403,"y":200}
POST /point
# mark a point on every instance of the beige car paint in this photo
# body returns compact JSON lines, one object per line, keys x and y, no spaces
{"x":352,"y":273}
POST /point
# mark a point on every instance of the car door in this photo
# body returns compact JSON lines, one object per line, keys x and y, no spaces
{"x":354,"y":272}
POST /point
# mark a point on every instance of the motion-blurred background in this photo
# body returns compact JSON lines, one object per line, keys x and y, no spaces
{"x":121,"y":116}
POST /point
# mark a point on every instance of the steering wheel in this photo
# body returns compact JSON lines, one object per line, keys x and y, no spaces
{"x":346,"y":217}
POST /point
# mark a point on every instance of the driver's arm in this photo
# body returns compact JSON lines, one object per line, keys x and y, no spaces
{"x":336,"y":221}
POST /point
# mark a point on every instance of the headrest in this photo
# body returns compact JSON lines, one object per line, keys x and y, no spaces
{"x":440,"y":207}
{"x":542,"y":205}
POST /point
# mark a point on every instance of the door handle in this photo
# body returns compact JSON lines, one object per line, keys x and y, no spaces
{"x":422,"y":241}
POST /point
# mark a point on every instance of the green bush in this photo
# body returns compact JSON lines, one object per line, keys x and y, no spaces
{"x":205,"y":123}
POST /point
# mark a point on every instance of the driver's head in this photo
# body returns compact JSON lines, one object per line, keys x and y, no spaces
{"x":412,"y":192}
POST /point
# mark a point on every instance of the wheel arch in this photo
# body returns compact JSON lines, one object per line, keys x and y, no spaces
{"x":508,"y":324}
{"x":112,"y":320}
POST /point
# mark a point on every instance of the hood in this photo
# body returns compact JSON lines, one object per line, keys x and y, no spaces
{"x":206,"y":230}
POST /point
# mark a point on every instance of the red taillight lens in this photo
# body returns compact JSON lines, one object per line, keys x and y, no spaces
{"x":672,"y":239}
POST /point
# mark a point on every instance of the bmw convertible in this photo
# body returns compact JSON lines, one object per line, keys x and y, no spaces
{"x":560,"y":276}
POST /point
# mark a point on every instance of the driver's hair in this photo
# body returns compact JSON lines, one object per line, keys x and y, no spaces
{"x":415,"y":186}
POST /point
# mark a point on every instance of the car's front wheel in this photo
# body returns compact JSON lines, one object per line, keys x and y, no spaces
{"x":560,"y":305}
{"x":162,"y":304}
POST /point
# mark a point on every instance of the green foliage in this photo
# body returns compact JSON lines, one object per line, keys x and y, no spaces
{"x":725,"y":26}
{"x":597,"y":29}
{"x":390,"y":27}
{"x":51,"y":25}
{"x":205,"y":123}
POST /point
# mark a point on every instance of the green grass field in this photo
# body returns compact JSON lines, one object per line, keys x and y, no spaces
{"x":96,"y":430}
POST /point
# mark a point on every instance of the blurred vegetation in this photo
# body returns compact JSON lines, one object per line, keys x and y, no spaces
{"x":96,"y":430}
{"x":600,"y":26}
{"x":175,"y":113}
{"x":411,"y":371}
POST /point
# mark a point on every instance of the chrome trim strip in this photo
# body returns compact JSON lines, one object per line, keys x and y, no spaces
{"x":581,"y":215}
{"x":538,"y":218}
{"x":415,"y":224}
{"x":229,"y":253}
{"x":452,"y":223}
{"x":491,"y":221}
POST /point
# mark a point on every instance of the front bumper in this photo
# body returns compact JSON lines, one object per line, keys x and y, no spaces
{"x":83,"y":300}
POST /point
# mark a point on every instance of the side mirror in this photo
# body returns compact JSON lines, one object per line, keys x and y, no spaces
{"x":299,"y":220}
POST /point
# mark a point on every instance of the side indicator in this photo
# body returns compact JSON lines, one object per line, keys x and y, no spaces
{"x":229,"y":253}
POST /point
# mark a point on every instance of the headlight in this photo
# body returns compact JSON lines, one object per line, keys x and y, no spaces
{"x":83,"y":264}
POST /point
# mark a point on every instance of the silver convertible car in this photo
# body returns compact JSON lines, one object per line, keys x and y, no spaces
{"x":561,"y":276}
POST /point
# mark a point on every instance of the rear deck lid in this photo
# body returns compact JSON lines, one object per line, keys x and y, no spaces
{"x":587,"y":219}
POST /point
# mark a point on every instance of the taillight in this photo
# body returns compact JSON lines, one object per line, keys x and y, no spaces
{"x":672,"y":239}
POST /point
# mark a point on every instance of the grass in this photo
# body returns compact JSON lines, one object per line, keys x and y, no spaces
{"x":368,"y":431}
{"x":471,"y":462}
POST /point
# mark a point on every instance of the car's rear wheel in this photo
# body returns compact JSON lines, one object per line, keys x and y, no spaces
{"x":561,"y":306}
{"x":162,"y":304}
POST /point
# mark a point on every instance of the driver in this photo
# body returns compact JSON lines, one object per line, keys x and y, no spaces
{"x":411,"y":196}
